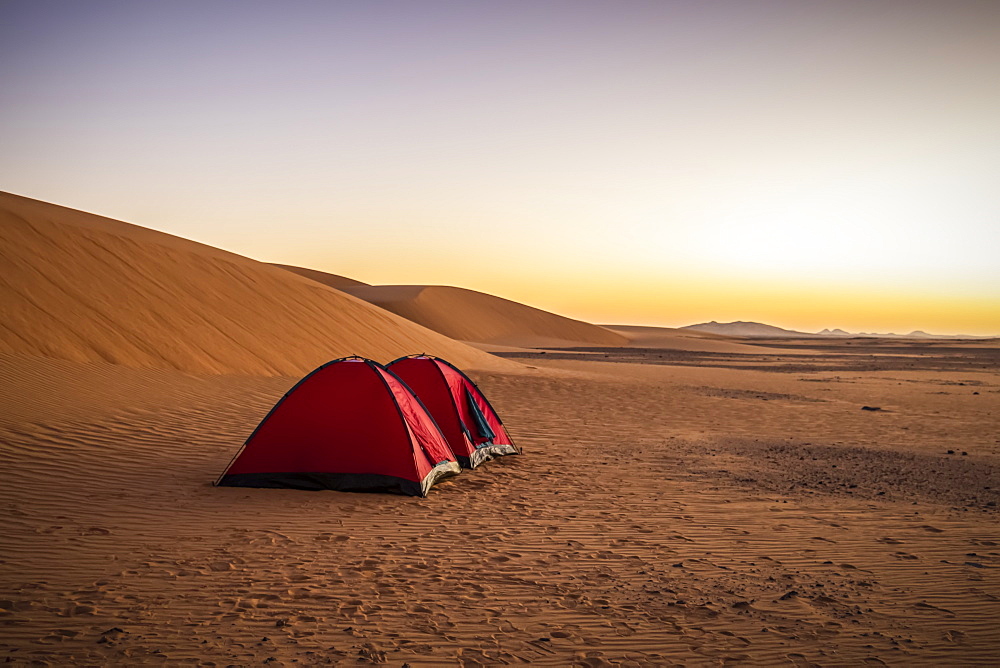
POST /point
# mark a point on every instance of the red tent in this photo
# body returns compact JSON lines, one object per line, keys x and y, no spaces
{"x":466,"y":418}
{"x":348,"y":425}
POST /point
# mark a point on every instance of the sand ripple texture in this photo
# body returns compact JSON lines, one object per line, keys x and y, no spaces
{"x":659,"y":516}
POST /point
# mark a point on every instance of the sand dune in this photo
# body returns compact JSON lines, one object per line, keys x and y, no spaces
{"x":332,"y":280}
{"x":468,"y":315}
{"x":81,"y":287}
{"x":495,"y":324}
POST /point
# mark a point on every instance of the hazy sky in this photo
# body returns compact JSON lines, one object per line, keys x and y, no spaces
{"x":806,"y":164}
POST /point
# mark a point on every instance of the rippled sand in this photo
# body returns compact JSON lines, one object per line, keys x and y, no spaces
{"x":689,"y":513}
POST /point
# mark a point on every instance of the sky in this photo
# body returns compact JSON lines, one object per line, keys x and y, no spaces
{"x":804,"y":164}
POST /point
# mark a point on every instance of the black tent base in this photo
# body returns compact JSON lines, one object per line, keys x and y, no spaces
{"x":342,"y":482}
{"x":486,"y":453}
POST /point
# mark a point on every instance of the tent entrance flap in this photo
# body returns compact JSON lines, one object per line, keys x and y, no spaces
{"x":482,"y":426}
{"x":466,"y":418}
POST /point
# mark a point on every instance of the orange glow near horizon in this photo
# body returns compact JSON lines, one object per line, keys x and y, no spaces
{"x":804,"y":164}
{"x":683,"y":299}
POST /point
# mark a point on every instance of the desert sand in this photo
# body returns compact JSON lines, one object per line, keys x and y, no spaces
{"x":673,"y":506}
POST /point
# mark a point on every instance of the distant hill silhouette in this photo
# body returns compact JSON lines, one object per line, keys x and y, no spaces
{"x":916,"y":334}
{"x":749,"y":329}
{"x":760,"y":330}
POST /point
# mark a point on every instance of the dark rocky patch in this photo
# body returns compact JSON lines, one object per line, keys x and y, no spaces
{"x":806,"y":468}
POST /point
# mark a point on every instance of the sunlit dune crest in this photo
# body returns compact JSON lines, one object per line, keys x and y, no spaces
{"x":333,"y":280}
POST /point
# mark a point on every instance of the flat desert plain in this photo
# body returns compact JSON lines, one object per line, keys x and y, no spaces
{"x":705,"y":506}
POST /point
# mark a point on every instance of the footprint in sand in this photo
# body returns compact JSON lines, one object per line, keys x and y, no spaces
{"x":16,"y":606}
{"x":733,"y":635}
{"x":332,"y":537}
{"x":76,"y":609}
{"x":927,"y":606}
{"x":65,"y":633}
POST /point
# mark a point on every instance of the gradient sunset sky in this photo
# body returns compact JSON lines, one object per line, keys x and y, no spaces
{"x":805,"y":164}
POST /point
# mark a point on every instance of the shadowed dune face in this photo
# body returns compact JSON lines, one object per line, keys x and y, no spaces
{"x":468,"y":315}
{"x":84,"y":288}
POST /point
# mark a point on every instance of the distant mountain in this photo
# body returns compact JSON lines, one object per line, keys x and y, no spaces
{"x":760,"y":330}
{"x":750,"y":329}
{"x":916,"y":334}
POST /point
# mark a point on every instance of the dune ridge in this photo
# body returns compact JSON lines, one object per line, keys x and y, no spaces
{"x":332,"y":280}
{"x":85,"y":288}
{"x":468,"y":315}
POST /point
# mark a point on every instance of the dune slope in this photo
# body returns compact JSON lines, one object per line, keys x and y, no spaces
{"x":333,"y":280}
{"x":80,"y":287}
{"x":468,"y":315}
